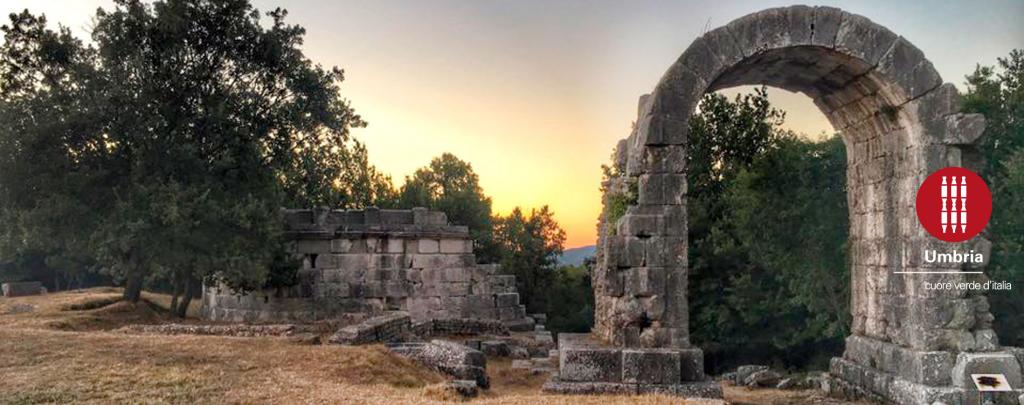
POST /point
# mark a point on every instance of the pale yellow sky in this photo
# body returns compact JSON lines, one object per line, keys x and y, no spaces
{"x":535,"y":94}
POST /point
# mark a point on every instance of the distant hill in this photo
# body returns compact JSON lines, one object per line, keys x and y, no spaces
{"x":575,"y":256}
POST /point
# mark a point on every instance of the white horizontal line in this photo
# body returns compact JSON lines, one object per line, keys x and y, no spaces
{"x":936,"y":272}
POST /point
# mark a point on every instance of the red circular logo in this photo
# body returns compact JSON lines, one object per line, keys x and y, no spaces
{"x":954,"y":204}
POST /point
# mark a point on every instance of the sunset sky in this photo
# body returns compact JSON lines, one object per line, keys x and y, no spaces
{"x":535,"y":94}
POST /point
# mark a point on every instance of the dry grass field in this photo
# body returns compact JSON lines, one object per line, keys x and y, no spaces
{"x":66,"y":350}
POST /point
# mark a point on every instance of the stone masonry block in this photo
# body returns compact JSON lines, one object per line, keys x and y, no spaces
{"x":341,"y":245}
{"x":590,"y":365}
{"x":456,"y":246}
{"x":429,"y":246}
{"x":860,"y":37}
{"x":986,"y":363}
{"x":506,"y":300}
{"x":906,"y":65}
{"x":640,"y":225}
{"x":691,"y":364}
{"x":478,"y":302}
{"x":646,"y":281}
{"x":650,"y":366}
{"x":456,"y":274}
{"x":633,"y":252}
{"x":396,"y":245}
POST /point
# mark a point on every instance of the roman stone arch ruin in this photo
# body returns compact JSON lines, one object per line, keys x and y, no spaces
{"x":899,"y":122}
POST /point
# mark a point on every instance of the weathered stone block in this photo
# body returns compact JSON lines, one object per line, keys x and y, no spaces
{"x":650,"y":366}
{"x":506,"y":300}
{"x":456,"y":246}
{"x":429,"y":246}
{"x":341,"y":245}
{"x":986,"y":363}
{"x":396,"y":245}
{"x":457,"y":274}
{"x":640,"y":225}
{"x":646,"y":281}
{"x":860,"y":37}
{"x":511,"y":313}
{"x":456,"y":289}
{"x":907,"y":67}
{"x":664,"y":159}
{"x":480,"y":302}
{"x":590,"y":364}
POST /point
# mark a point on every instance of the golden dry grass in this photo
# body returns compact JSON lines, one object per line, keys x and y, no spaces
{"x":54,"y":355}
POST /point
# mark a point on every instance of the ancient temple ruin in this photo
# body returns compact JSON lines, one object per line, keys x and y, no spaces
{"x":899,"y":122}
{"x":371,"y":261}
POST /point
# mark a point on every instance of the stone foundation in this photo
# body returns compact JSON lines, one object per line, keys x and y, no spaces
{"x":373,"y":261}
{"x":588,"y":366}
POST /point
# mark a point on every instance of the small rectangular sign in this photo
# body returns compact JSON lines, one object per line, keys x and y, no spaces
{"x":991,"y":382}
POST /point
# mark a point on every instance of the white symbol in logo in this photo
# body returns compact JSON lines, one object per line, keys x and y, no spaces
{"x":954,"y":214}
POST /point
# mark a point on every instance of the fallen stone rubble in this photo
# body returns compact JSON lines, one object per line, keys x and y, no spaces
{"x":391,"y":327}
{"x":217,"y":330}
{"x":758,"y":376}
{"x":452,"y":390}
{"x":452,"y":358}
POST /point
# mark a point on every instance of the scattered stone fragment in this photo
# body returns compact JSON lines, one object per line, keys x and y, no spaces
{"x":455,"y":390}
{"x":743,"y":372}
{"x":452,"y":358}
{"x":473,"y":343}
{"x":519,"y":353}
{"x":763,"y":378}
{"x":20,"y":309}
{"x":305,"y":339}
{"x":522,"y":364}
{"x":495,"y":348}
{"x":787,"y":383}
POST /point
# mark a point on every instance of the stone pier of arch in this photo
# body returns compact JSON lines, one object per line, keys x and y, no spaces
{"x":899,"y":122}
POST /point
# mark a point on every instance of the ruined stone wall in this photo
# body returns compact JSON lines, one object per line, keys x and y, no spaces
{"x":371,"y":261}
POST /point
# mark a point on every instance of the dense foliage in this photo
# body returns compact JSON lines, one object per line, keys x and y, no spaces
{"x":165,"y":148}
{"x":998,"y":93}
{"x":768,"y":226}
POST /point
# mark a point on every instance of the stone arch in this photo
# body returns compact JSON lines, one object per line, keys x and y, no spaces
{"x":899,"y":122}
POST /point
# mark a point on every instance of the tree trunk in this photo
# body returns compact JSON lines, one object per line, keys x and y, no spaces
{"x":176,"y":284}
{"x":193,"y":286}
{"x":133,"y":286}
